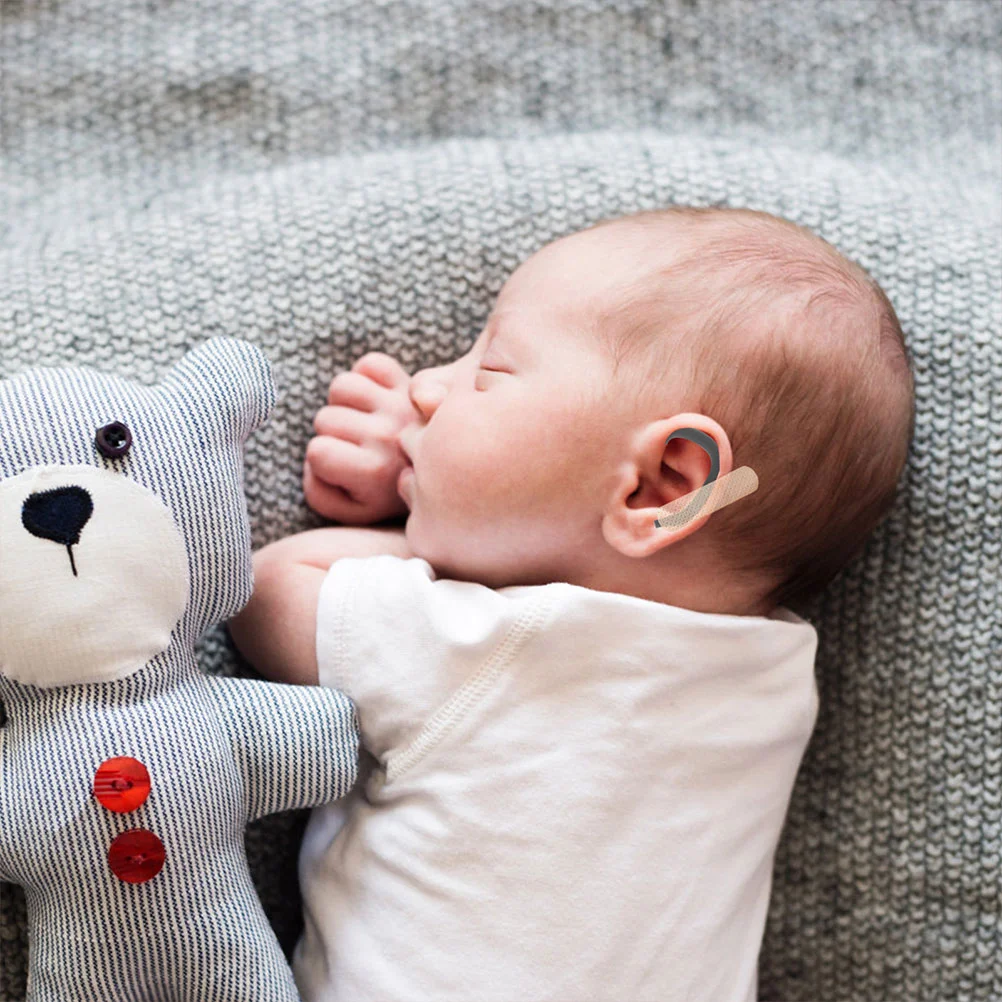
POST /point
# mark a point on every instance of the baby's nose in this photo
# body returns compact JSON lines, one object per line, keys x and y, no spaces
{"x":427,"y":389}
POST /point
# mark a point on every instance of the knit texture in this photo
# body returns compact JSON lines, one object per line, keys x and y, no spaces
{"x":328,"y":178}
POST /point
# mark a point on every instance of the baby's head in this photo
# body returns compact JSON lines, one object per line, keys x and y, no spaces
{"x":541,"y":455}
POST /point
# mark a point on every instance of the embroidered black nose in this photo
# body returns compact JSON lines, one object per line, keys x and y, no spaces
{"x":58,"y":514}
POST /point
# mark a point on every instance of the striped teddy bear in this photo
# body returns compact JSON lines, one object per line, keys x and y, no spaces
{"x":126,"y":774}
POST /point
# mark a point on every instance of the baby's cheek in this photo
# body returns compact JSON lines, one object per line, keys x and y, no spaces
{"x":478,"y":476}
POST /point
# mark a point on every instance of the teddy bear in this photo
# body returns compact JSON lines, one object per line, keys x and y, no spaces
{"x":127,"y":775}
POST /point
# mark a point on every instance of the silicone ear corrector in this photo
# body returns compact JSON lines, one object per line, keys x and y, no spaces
{"x":714,"y":494}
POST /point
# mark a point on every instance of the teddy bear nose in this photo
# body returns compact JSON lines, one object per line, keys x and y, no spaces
{"x":58,"y":514}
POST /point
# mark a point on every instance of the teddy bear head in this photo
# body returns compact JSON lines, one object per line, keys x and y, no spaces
{"x":123,"y":520}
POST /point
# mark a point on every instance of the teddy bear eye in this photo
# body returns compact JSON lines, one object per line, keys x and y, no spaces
{"x":113,"y":440}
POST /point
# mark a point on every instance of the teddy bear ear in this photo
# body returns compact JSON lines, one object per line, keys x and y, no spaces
{"x":227,"y":375}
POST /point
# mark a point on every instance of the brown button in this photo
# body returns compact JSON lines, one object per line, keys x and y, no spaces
{"x":113,"y":440}
{"x":136,"y":856}
{"x":121,"y":784}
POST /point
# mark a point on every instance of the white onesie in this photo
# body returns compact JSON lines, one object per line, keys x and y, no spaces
{"x":576,"y":794}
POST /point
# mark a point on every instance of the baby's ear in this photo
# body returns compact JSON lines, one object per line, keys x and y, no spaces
{"x":227,"y":376}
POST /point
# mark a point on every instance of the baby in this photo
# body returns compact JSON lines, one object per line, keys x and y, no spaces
{"x":582,"y":729}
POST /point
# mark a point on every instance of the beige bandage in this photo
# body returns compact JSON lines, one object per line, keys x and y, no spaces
{"x":709,"y":498}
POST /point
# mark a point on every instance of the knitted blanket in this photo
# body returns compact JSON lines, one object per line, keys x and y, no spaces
{"x":328,"y":178}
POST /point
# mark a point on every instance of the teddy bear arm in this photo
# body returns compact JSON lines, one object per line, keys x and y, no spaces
{"x":6,"y":870}
{"x":8,"y":854}
{"x":296,"y":746}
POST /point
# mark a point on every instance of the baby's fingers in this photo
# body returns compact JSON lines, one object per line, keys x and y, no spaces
{"x":383,"y":369}
{"x":366,"y":383}
{"x":354,"y":389}
{"x":353,"y":425}
{"x":341,"y":482}
{"x":333,"y":502}
{"x":343,"y":463}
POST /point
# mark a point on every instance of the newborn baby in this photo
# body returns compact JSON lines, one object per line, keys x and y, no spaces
{"x":583,"y":729}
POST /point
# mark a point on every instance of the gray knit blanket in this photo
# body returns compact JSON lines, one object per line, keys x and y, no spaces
{"x":328,"y":178}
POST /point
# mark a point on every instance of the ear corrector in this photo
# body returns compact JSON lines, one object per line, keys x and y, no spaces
{"x":714,"y":494}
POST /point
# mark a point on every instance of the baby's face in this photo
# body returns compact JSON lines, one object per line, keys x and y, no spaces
{"x":513,"y":452}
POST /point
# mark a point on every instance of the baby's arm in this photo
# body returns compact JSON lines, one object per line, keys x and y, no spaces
{"x":276,"y":630}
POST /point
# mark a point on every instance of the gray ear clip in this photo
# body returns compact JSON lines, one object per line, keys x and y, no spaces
{"x":735,"y":485}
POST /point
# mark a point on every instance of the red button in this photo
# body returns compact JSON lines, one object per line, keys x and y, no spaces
{"x":121,"y":784}
{"x":136,"y":856}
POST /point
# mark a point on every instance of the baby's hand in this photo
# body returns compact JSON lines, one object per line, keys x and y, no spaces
{"x":351,"y":468}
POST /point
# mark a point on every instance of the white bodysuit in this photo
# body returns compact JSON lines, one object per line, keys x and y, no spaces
{"x":576,"y":794}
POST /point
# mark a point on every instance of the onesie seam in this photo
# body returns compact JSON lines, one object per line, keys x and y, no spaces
{"x":343,"y":626}
{"x":470,"y":693}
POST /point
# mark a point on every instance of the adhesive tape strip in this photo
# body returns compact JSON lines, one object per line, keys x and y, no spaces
{"x":709,"y":498}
